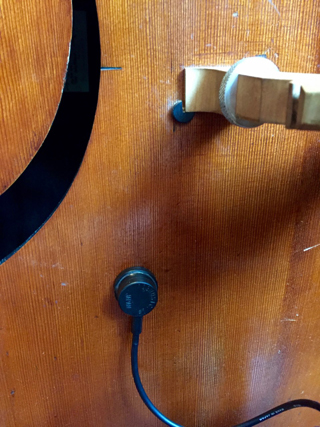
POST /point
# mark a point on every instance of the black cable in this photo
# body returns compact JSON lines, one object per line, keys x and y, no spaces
{"x":279,"y":409}
{"x":136,"y":331}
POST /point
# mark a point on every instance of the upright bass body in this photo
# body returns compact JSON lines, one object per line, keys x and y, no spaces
{"x":226,"y":218}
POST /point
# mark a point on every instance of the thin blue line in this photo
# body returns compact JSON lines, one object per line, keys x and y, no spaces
{"x":110,"y":68}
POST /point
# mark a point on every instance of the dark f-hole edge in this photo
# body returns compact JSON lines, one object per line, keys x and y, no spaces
{"x":28,"y":204}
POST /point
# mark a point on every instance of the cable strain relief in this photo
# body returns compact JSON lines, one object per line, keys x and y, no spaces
{"x":136,"y":327}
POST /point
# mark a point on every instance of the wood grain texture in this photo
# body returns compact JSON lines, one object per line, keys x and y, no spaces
{"x":35,"y":39}
{"x":226,"y":218}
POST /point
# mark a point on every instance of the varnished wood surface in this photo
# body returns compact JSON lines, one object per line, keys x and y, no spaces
{"x":226,"y":218}
{"x":35,"y":39}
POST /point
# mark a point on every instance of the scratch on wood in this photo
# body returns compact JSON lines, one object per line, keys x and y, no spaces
{"x":274,"y":6}
{"x":311,"y":247}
